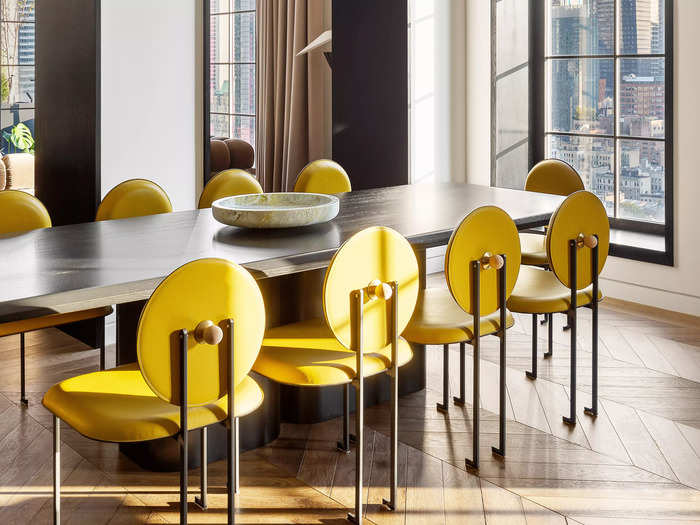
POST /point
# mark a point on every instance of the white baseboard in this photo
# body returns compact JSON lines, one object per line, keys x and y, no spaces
{"x":655,"y":297}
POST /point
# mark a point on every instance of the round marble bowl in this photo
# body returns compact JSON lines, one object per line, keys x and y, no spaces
{"x":276,"y":210}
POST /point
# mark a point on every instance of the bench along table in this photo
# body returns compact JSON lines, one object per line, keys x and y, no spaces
{"x":70,"y":268}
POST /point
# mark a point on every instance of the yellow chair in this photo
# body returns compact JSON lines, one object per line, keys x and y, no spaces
{"x":323,"y":176}
{"x":369,"y":293}
{"x":180,"y":329}
{"x":20,"y":213}
{"x":555,"y":177}
{"x":481,"y":267}
{"x":133,"y":198}
{"x":226,"y":184}
{"x":577,"y":243}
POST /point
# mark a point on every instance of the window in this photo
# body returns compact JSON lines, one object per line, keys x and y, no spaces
{"x":16,"y":69}
{"x":232,"y":69}
{"x":595,"y":73}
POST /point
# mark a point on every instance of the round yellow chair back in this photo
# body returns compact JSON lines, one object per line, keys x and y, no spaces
{"x":486,"y":231}
{"x":133,"y":198}
{"x":203,"y":290}
{"x":323,"y":176}
{"x":228,"y":183}
{"x":553,"y":176}
{"x":21,"y":212}
{"x":578,"y":218}
{"x":374,"y":254}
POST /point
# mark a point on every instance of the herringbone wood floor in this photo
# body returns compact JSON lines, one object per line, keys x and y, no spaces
{"x":638,"y":462}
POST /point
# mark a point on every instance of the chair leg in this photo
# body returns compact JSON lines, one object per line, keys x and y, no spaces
{"x":236,"y":456}
{"x":56,"y":470}
{"x":550,"y":340}
{"x":201,"y":500}
{"x":545,"y":320}
{"x":344,"y":444}
{"x":23,"y":392}
{"x":501,"y":450}
{"x":474,"y":462}
{"x":593,"y":409}
{"x":533,"y":374}
{"x":101,"y":341}
{"x":391,"y":502}
{"x":357,"y":517}
{"x":459,"y":401}
{"x":444,"y":406}
{"x":571,"y":420}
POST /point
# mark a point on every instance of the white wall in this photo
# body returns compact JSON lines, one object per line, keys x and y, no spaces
{"x":438,"y":94}
{"x":673,"y":288}
{"x":150,"y":111}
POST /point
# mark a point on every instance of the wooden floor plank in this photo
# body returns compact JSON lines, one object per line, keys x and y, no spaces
{"x":501,"y":507}
{"x":636,"y":439}
{"x":675,"y":448}
{"x":424,"y":490}
{"x":463,"y":499}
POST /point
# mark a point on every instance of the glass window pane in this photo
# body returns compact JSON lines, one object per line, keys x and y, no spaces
{"x":642,"y":26}
{"x":642,"y":185}
{"x":219,"y":6}
{"x":220,"y":38}
{"x":244,"y":129}
{"x":511,"y":110}
{"x":512,"y":168}
{"x":244,"y":37}
{"x":9,"y":119}
{"x":220,"y":126}
{"x":244,"y":89}
{"x":17,"y":86}
{"x":512,"y":31}
{"x":17,"y":10}
{"x":593,"y":158}
{"x":220,"y":88}
{"x":580,"y":95}
{"x":580,"y":27}
{"x":642,"y":97}
{"x":243,"y":5}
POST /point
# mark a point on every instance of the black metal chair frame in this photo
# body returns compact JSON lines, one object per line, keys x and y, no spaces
{"x":233,"y":442}
{"x":571,"y":314}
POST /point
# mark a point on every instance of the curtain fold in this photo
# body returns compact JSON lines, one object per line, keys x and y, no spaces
{"x":285,"y":131}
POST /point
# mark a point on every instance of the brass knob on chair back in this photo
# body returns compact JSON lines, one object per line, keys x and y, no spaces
{"x":376,"y":289}
{"x":209,"y":333}
{"x":589,"y":241}
{"x":491,"y":261}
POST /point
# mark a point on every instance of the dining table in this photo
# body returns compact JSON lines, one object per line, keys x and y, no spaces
{"x":120,"y":262}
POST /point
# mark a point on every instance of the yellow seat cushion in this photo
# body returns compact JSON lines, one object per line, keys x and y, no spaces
{"x":540,"y":292}
{"x":47,"y":321}
{"x":533,"y":249}
{"x":308,"y":354}
{"x":117,"y":405}
{"x":438,"y":319}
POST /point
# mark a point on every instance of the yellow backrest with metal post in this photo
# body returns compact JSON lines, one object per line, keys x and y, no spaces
{"x":323,"y":176}
{"x":555,"y":177}
{"x":369,"y":294}
{"x":20,"y":213}
{"x":133,"y":198}
{"x":481,"y":267}
{"x":198,"y":337}
{"x":228,"y":183}
{"x":577,"y":242}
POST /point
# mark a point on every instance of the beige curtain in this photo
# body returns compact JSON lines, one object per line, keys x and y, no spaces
{"x":289,"y":129}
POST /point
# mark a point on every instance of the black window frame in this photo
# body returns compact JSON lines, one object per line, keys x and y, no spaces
{"x":537,"y":131}
{"x":207,"y":63}
{"x":24,"y":106}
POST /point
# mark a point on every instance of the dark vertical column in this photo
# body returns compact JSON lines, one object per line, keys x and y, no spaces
{"x":537,"y":78}
{"x":370,"y":91}
{"x":67,"y":121}
{"x":68,"y":109}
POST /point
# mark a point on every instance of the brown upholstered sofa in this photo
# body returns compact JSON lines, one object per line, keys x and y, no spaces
{"x":17,"y":172}
{"x":231,"y":153}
